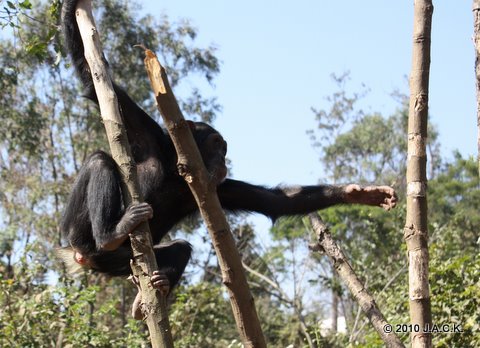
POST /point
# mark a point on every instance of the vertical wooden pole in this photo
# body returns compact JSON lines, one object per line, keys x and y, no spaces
{"x":144,"y":262}
{"x":416,"y":229}
{"x":476,"y":39}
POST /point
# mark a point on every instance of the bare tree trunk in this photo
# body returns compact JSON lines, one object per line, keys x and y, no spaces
{"x":334,"y":327}
{"x":191,"y":167}
{"x":144,"y":262}
{"x":476,"y":39}
{"x":416,"y":229}
{"x":326,"y":244}
{"x":123,"y":306}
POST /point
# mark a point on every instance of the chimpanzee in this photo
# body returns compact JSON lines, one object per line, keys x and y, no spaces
{"x":96,"y":222}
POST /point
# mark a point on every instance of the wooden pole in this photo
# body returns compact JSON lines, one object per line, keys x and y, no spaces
{"x":416,"y":227}
{"x":144,"y":262}
{"x":476,"y":40}
{"x":191,"y":167}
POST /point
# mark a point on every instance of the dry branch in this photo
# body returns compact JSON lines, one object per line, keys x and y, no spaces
{"x":326,"y":243}
{"x":416,"y":227}
{"x":191,"y":167}
{"x":144,"y":262}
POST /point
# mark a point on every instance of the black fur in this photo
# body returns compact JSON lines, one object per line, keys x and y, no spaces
{"x":95,"y":205}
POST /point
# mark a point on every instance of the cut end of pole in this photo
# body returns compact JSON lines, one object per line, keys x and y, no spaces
{"x":156,"y":72}
{"x":149,"y":54}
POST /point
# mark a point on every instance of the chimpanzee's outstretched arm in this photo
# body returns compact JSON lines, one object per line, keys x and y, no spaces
{"x":275,"y":202}
{"x":297,"y":200}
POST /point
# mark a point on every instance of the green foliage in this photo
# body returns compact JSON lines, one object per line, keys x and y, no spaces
{"x":43,"y":17}
{"x":346,"y":132}
{"x":454,"y":199}
{"x":11,"y":10}
{"x":456,"y":298}
{"x":36,"y":314}
{"x":365,"y":148}
{"x":454,"y":263}
{"x":357,"y":158}
{"x":175,"y":46}
{"x":341,"y":112}
{"x":280,"y":327}
{"x":48,"y":130}
{"x":359,"y":147}
{"x":21,"y":117}
{"x":288,"y":228}
{"x":454,"y":202}
{"x":201,"y":317}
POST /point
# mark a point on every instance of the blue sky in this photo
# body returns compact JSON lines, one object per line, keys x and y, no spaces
{"x":277,"y":58}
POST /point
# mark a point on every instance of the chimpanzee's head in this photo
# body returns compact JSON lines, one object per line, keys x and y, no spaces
{"x":112,"y":263}
{"x":213,"y":149}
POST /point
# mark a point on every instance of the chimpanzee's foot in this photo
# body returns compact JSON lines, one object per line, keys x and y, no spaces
{"x":380,"y":196}
{"x":160,"y":281}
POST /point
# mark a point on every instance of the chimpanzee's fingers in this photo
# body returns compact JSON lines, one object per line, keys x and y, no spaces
{"x":388,"y":203}
{"x":142,"y":210}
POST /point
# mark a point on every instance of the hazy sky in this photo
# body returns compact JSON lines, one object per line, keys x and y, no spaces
{"x":277,"y":58}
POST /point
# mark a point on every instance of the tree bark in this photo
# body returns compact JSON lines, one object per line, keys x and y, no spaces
{"x":476,"y":39}
{"x":191,"y":167}
{"x":144,"y":262}
{"x":334,"y":327}
{"x":416,"y":229}
{"x":326,"y":243}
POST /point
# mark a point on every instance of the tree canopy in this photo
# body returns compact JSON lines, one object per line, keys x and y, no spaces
{"x":48,"y":129}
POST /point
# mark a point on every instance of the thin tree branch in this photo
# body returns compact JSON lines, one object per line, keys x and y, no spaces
{"x":356,"y":287}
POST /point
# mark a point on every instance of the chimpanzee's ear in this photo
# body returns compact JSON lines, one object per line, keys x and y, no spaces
{"x":192,"y":126}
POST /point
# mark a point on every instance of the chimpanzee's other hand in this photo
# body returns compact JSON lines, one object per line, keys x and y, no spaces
{"x":380,"y":196}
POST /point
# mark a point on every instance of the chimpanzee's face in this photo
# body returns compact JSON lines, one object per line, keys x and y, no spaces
{"x":213,"y":149}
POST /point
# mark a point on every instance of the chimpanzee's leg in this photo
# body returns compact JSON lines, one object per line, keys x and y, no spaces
{"x":110,"y":223}
{"x":94,"y":205}
{"x":95,"y":218}
{"x":104,"y":199}
{"x":172,"y":258}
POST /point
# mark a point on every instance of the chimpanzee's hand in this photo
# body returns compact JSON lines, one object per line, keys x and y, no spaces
{"x":133,"y":216}
{"x":380,"y":196}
